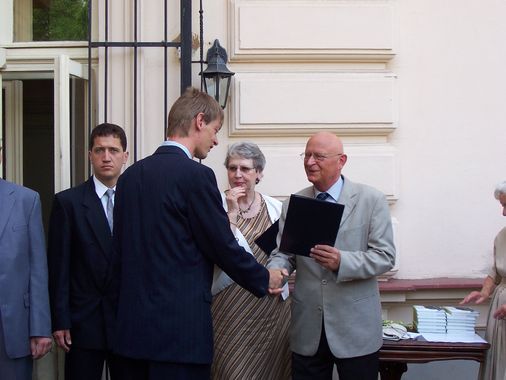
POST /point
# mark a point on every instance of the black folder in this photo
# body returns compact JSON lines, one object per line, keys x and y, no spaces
{"x":267,"y":241}
{"x":310,"y":221}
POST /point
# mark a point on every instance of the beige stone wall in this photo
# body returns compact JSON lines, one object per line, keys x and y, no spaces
{"x":414,"y":88}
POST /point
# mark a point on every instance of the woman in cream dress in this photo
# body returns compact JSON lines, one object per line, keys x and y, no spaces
{"x":494,"y":285}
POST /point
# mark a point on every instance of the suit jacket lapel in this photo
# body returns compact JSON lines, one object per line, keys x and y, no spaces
{"x":7,"y":199}
{"x":96,"y":218}
{"x":348,"y":198}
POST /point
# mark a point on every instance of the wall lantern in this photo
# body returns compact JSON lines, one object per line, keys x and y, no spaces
{"x":217,"y":76}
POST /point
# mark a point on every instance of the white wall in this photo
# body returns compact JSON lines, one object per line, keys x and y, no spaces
{"x":451,"y":138}
{"x":414,"y":87}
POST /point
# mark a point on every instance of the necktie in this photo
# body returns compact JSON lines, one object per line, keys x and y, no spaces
{"x":322,"y":196}
{"x":109,"y":207}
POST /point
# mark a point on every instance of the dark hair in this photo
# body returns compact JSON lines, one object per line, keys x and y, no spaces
{"x":189,"y":105}
{"x":108,"y":129}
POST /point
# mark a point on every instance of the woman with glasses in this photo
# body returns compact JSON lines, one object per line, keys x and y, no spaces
{"x":250,"y":334}
{"x":495,"y":286}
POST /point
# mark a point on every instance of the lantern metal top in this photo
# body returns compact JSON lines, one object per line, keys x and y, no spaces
{"x":216,"y":62}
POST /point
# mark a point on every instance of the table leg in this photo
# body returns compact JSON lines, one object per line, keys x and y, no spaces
{"x":392,"y":370}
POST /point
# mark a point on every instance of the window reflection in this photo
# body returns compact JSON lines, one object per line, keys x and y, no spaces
{"x":50,"y":20}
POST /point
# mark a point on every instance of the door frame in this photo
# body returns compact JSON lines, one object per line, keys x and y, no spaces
{"x":64,"y":69}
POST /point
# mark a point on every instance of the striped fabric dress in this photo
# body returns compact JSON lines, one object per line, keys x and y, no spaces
{"x":251,"y":334}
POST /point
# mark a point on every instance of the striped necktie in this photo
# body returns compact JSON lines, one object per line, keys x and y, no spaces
{"x":323,"y":196}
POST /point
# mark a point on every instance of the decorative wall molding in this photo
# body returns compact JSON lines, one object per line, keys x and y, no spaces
{"x":2,"y":58}
{"x":280,"y":30}
{"x":375,"y":165}
{"x":299,"y":104}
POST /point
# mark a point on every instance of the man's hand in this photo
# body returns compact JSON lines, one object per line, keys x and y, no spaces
{"x":40,"y":345}
{"x":476,"y":297}
{"x":63,"y":339}
{"x":277,"y":280}
{"x":327,"y":256}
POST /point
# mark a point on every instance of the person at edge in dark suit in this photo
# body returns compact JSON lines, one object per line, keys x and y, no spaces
{"x":25,"y":321}
{"x":336,"y":311}
{"x":170,"y":230}
{"x":80,"y":260}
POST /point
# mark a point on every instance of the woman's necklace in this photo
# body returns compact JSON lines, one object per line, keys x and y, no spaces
{"x":243,"y":212}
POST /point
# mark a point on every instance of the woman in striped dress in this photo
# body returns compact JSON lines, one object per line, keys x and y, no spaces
{"x":250,"y":334}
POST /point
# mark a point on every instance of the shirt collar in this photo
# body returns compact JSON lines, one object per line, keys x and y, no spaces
{"x":181,"y":146}
{"x":334,"y":191}
{"x":100,"y":188}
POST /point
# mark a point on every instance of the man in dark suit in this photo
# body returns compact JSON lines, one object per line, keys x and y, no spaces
{"x":25,"y":322}
{"x":337,"y":316}
{"x":80,"y":259}
{"x":170,"y":229}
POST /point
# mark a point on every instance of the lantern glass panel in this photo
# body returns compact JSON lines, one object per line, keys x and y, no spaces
{"x":210,"y":84}
{"x":224,"y":82}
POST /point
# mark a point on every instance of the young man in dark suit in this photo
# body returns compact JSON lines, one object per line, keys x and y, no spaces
{"x":170,"y":230}
{"x":80,"y":260}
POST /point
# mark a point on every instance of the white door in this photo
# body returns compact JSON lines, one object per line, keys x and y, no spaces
{"x":44,"y":128}
{"x":70,"y":121}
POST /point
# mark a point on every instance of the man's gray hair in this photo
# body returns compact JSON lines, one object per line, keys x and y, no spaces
{"x":500,"y":189}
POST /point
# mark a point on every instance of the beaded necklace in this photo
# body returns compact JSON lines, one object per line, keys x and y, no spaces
{"x":242,"y":212}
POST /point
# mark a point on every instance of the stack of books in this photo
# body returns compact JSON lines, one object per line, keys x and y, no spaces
{"x":460,"y":320}
{"x":429,"y":319}
{"x":444,"y":319}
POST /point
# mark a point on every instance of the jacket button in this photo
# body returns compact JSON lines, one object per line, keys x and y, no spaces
{"x":324,"y":282}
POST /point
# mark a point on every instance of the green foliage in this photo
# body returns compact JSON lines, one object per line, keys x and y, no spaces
{"x":388,"y":322}
{"x":62,"y":20}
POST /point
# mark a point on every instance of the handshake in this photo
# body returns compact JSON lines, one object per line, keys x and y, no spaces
{"x":277,"y":279}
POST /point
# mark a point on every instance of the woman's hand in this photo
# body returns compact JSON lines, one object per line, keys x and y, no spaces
{"x":475,"y":297}
{"x":481,"y":296}
{"x":232,"y":195}
{"x":500,"y":313}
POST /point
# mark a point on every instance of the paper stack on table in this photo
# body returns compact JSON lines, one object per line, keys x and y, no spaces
{"x":444,"y":319}
{"x":460,"y":320}
{"x":446,"y":324}
{"x":429,"y":319}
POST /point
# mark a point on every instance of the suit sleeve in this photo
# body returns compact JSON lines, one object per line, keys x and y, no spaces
{"x":379,"y":257}
{"x":40,"y":318}
{"x":59,"y":265}
{"x":211,"y":229}
{"x":279,"y":259}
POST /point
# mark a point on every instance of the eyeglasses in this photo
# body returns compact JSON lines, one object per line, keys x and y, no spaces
{"x":242,"y":169}
{"x":318,"y":156}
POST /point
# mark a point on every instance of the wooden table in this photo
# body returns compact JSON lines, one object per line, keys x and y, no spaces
{"x":394,"y":356}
